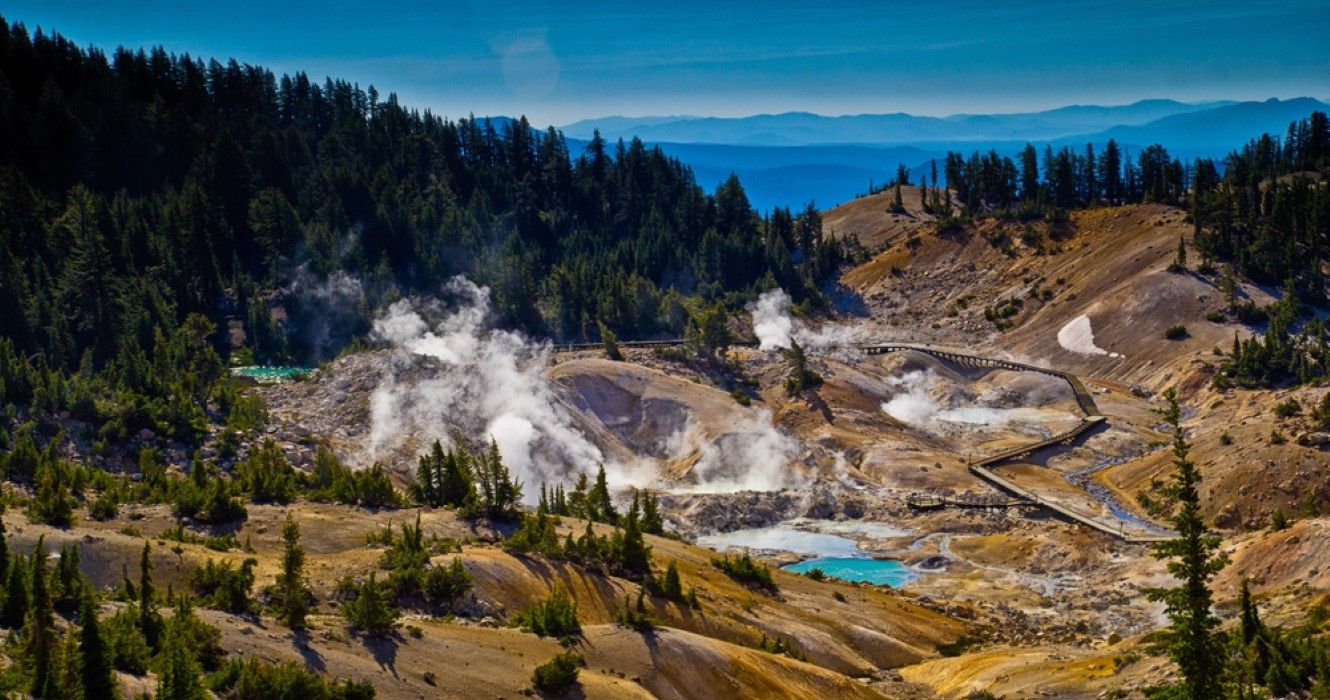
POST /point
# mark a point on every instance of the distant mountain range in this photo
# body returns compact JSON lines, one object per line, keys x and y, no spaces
{"x":803,"y":128}
{"x":793,"y":158}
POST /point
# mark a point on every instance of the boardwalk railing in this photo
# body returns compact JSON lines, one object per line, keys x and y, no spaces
{"x":929,"y":501}
{"x":1083,"y":398}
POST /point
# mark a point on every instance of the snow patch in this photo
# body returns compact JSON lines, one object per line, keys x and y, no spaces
{"x":1078,"y":336}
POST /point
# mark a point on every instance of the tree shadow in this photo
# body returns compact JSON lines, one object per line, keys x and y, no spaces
{"x":300,"y":639}
{"x":384,"y":650}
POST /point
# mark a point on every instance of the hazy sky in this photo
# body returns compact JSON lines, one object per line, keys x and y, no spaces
{"x":558,"y":62}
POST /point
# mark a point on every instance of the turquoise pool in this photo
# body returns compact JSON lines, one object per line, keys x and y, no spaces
{"x":270,"y":374}
{"x":862,"y":569}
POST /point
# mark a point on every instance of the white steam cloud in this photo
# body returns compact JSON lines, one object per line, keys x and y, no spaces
{"x":752,"y":455}
{"x":483,"y":381}
{"x":775,"y":327}
{"x":912,"y":404}
{"x":489,"y":383}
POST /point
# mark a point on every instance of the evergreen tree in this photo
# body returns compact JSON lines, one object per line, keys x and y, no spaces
{"x":95,"y":672}
{"x":599,"y":505}
{"x":577,"y":500}
{"x":179,"y":675}
{"x":653,"y":523}
{"x":458,"y":479}
{"x":1249,"y":619}
{"x":150,"y":621}
{"x":1194,"y":644}
{"x":4,"y":545}
{"x":67,"y":673}
{"x":497,"y":494}
{"x":610,"y":341}
{"x":15,"y":611}
{"x":291,"y":594}
{"x":709,"y":333}
{"x":39,"y":634}
{"x":1029,"y":173}
{"x":427,"y":490}
{"x":801,"y":377}
{"x":634,"y":552}
{"x":670,"y":585}
{"x":371,"y":611}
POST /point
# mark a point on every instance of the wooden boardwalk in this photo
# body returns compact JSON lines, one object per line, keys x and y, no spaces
{"x":981,"y":467}
{"x":930,"y":501}
{"x":1083,"y":398}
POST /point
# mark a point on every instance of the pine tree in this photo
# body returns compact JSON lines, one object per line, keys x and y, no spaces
{"x":1193,"y":560}
{"x":95,"y":671}
{"x":150,"y":621}
{"x":1250,"y":618}
{"x":800,"y":377}
{"x":39,"y":634}
{"x":292,"y":595}
{"x":427,"y":484}
{"x":179,"y":675}
{"x":4,"y":543}
{"x":634,"y":552}
{"x":68,"y":676}
{"x":371,"y":611}
{"x":1180,"y":260}
{"x":610,"y":341}
{"x":599,"y":505}
{"x":458,"y":479}
{"x":15,"y":611}
{"x":653,"y":523}
{"x":577,"y":500}
{"x":670,"y":585}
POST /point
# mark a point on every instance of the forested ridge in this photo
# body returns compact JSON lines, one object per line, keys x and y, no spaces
{"x":162,"y":214}
{"x":139,"y":187}
{"x":1261,"y":214}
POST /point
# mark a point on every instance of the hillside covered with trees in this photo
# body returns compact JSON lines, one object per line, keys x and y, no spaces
{"x":139,"y":187}
{"x":1262,"y":214}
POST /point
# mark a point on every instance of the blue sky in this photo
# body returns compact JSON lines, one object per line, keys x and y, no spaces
{"x":558,"y":62}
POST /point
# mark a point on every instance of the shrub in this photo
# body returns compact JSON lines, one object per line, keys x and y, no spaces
{"x":104,"y":508}
{"x":669,"y":584}
{"x":1291,"y":407}
{"x":956,"y":648}
{"x":253,"y":679}
{"x":746,"y":571}
{"x":219,"y":506}
{"x":445,"y":584}
{"x":1250,"y":314}
{"x":1277,"y":438}
{"x":555,"y":616}
{"x":1178,"y":332}
{"x":266,"y":474}
{"x":816,"y":574}
{"x":129,"y":649}
{"x":247,"y":412}
{"x":635,"y":616}
{"x":558,"y":674}
{"x":223,"y":586}
{"x":1278,"y":520}
{"x":780,"y":645}
{"x":370,"y":611}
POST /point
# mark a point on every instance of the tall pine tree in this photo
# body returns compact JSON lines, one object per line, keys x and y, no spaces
{"x":1193,"y":559}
